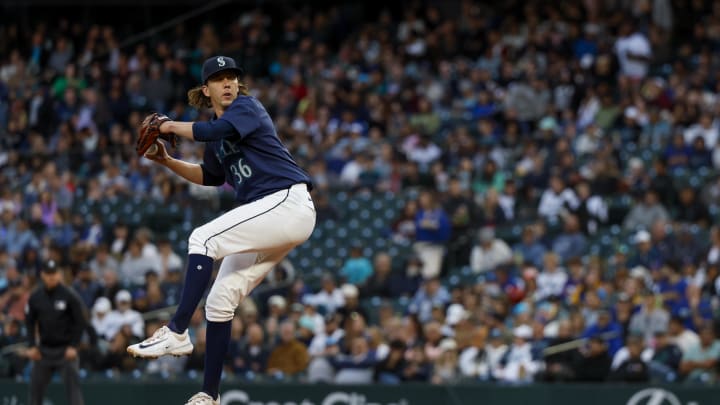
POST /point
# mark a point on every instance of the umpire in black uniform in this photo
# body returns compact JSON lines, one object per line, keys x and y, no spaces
{"x":57,"y":313}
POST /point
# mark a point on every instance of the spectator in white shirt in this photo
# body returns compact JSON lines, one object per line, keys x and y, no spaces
{"x":134,"y":264}
{"x":623,"y":354}
{"x":681,"y":336}
{"x":473,"y":359}
{"x":422,"y":151}
{"x":704,"y":129}
{"x":490,"y":252}
{"x":551,"y":281}
{"x":148,"y":248}
{"x":169,"y":260}
{"x":633,"y":51}
{"x":329,"y":297}
{"x":103,"y":262}
{"x":555,"y":198}
{"x":350,"y":174}
{"x":125,"y":315}
{"x":483,"y":361}
{"x":99,"y":317}
{"x":321,"y":347}
{"x":519,"y":365}
{"x":589,"y":141}
{"x":332,"y":334}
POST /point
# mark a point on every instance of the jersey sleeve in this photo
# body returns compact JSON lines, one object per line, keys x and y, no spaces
{"x":213,"y":174}
{"x":212,"y":130}
{"x":242,"y":116}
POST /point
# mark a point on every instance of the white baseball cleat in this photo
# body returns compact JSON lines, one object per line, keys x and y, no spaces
{"x":162,"y":342}
{"x":202,"y":398}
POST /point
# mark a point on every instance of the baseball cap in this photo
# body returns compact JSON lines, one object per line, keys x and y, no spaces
{"x":486,"y":234}
{"x":523,"y":332}
{"x":642,"y":236}
{"x":102,"y":305}
{"x":49,"y":266}
{"x":448,"y":344}
{"x":349,"y":290}
{"x":455,"y":314}
{"x":217,"y":64}
{"x":123,"y":296}
{"x":547,"y":124}
{"x":278,"y":301}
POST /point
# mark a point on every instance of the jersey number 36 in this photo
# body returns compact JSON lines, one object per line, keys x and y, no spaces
{"x":240,"y":171}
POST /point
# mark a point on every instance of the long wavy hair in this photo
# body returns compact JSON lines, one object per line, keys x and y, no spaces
{"x":198,"y":100}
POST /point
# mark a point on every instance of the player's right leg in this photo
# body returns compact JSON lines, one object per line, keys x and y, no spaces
{"x":239,"y":275}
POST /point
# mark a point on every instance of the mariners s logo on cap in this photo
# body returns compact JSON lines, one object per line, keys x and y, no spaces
{"x":219,"y":63}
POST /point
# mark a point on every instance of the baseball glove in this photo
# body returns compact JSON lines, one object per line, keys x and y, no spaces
{"x":150,"y":132}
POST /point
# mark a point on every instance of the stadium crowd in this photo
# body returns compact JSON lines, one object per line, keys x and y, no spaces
{"x":572,"y":122}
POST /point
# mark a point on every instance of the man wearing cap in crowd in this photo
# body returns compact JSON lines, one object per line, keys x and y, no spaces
{"x":646,"y":254}
{"x":330,"y":297}
{"x":490,"y":252}
{"x":455,"y":314}
{"x":55,"y":323}
{"x":666,"y":357}
{"x":352,"y":302}
{"x":519,"y":365}
{"x":606,"y":329}
{"x":124,"y":315}
{"x":99,"y":317}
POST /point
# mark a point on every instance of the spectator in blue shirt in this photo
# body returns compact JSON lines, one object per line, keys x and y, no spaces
{"x":673,"y":287}
{"x":607,"y":329}
{"x":86,"y":286}
{"x":677,"y":154}
{"x":432,"y":231}
{"x":571,"y":242}
{"x":357,"y":268}
{"x":529,"y":249}
{"x":430,"y":294}
{"x":19,"y":237}
{"x":699,"y":155}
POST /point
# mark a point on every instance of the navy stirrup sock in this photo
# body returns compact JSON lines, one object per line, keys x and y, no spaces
{"x":218,"y":340}
{"x":197,"y":277}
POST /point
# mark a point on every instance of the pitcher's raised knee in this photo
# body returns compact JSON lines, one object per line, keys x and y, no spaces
{"x":219,"y":308}
{"x":201,"y":242}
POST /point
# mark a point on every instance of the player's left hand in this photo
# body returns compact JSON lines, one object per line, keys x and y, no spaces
{"x":150,"y":132}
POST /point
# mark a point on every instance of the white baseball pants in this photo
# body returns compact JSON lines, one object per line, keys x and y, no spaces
{"x":252,"y":239}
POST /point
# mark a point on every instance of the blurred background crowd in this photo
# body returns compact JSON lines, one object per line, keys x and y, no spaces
{"x":512,"y":192}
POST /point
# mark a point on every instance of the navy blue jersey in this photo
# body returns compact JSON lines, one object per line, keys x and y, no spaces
{"x":244,"y":150}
